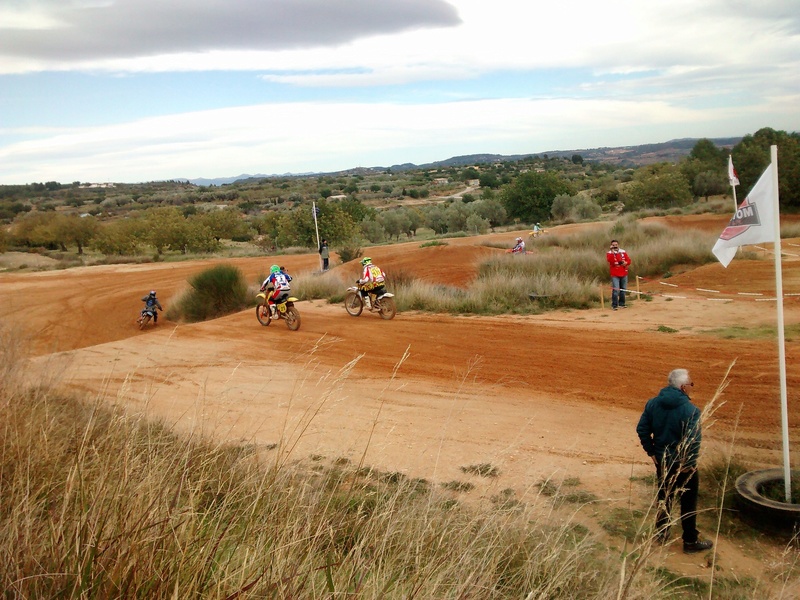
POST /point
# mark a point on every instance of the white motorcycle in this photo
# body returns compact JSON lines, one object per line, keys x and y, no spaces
{"x":384,"y":304}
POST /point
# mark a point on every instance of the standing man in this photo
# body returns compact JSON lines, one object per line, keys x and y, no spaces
{"x":325,"y":254}
{"x":618,"y":261}
{"x":669,"y":430}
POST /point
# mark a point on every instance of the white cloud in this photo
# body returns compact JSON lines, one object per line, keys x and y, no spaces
{"x":650,"y":71}
{"x":269,"y":139}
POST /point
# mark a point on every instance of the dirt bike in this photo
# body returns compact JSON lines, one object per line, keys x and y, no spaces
{"x":383,"y":304}
{"x":538,"y":233}
{"x":283,"y":310}
{"x":147,"y":315}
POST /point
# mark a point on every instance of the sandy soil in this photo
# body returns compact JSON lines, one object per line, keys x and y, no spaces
{"x":540,"y":397}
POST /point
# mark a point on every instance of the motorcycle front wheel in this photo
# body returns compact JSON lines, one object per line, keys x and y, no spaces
{"x":292,"y":317}
{"x":262,"y":314}
{"x":387,"y":308}
{"x":144,"y":320}
{"x":353,"y":304}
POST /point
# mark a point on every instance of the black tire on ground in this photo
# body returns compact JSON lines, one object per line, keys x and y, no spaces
{"x":762,"y":510}
{"x":263,"y":315}
{"x":388,"y":309}
{"x":292,"y":317}
{"x":353,"y":304}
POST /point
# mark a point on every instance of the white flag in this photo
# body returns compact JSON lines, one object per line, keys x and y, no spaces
{"x":754,"y":221}
{"x":734,"y":180}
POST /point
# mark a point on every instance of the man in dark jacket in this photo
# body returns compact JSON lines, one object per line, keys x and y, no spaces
{"x":324,"y":254}
{"x":669,"y":430}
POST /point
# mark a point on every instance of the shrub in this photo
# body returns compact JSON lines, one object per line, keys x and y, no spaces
{"x":350,"y":251}
{"x":215,"y":292}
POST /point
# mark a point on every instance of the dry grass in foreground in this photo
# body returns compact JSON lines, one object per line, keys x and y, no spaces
{"x":97,"y":504}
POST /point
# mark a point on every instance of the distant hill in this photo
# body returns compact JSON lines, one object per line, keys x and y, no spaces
{"x":225,"y":180}
{"x":624,"y":156}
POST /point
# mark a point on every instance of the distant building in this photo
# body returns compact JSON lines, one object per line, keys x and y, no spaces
{"x":441,"y":181}
{"x":338,"y":197}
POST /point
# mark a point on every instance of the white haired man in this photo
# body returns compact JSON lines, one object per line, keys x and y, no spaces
{"x":669,"y":430}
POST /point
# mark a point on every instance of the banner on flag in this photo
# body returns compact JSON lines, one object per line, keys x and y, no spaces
{"x":732,"y":177}
{"x":754,"y":221}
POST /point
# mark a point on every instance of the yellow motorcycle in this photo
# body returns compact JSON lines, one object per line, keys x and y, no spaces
{"x":283,"y":310}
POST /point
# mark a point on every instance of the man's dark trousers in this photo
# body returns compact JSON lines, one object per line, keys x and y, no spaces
{"x":685,"y":482}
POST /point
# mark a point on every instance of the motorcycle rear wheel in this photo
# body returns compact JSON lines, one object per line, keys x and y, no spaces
{"x":263,"y":314}
{"x":292,"y":318}
{"x":387,"y":308}
{"x":353,"y":304}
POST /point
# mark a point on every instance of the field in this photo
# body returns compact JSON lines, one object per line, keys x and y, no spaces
{"x":546,"y":397}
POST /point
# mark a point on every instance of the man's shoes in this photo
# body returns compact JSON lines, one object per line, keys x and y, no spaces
{"x":613,"y":308}
{"x":698,"y":546}
{"x":623,"y":306}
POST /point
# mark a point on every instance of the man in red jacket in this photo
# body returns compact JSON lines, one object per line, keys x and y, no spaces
{"x":618,"y":261}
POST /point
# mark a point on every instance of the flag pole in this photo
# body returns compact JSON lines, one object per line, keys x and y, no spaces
{"x":787,"y":471}
{"x":734,"y":181}
{"x":316,"y":229}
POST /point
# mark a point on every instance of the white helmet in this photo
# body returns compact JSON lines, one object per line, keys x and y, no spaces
{"x":519,"y":239}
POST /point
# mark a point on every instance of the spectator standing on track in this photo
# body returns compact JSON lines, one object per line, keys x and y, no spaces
{"x":669,"y":430}
{"x":618,"y":261}
{"x":325,"y":254}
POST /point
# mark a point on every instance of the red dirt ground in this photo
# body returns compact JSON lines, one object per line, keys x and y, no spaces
{"x":548,"y":396}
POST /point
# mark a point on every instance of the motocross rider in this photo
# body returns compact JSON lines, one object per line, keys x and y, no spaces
{"x":372,"y":281}
{"x":151,"y":303}
{"x":519,"y":248}
{"x":278,"y":280}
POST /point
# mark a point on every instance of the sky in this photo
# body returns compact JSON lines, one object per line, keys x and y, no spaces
{"x":132,"y":91}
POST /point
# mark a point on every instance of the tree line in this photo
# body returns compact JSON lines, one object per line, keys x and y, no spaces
{"x":276,"y":214}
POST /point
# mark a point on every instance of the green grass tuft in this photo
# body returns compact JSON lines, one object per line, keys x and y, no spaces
{"x":215,"y":292}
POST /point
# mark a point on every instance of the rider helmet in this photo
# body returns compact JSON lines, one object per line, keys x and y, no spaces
{"x":274,"y":269}
{"x":366,"y":260}
{"x":519,"y":239}
{"x":152,"y":293}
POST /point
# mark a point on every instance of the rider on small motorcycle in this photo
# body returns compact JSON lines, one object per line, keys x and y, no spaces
{"x":151,"y":303}
{"x":279,"y":281}
{"x":519,"y":248}
{"x":372,"y":281}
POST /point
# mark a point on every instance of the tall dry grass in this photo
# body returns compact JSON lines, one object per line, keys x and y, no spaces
{"x":559,"y":272}
{"x":100,"y":504}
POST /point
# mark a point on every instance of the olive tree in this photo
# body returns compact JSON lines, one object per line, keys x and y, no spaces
{"x":656,"y":186}
{"x":530,"y":196}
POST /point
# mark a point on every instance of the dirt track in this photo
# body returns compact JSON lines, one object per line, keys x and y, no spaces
{"x":538,"y":396}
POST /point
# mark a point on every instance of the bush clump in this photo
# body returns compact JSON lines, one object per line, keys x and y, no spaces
{"x":218,"y":291}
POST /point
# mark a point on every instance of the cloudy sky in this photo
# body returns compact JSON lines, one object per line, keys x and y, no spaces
{"x":142,"y":90}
